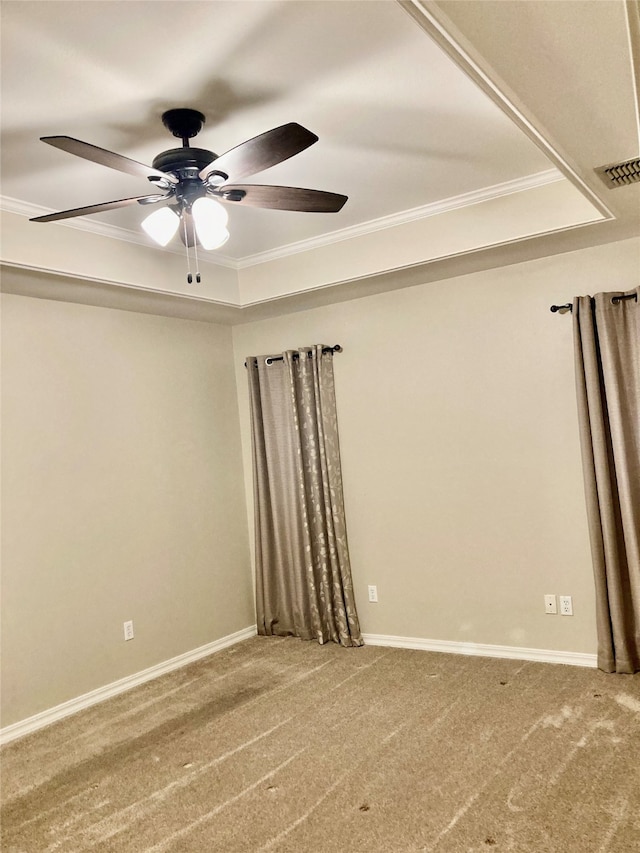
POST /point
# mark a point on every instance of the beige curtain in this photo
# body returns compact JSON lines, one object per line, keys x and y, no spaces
{"x":303,"y":574}
{"x":607,"y":361}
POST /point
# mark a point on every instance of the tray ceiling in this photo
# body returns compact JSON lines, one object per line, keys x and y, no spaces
{"x":420,"y":108}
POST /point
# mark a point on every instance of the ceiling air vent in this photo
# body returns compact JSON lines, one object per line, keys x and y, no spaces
{"x":619,"y":174}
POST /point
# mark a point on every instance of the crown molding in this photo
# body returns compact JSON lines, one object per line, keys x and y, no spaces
{"x":422,"y":266}
{"x":114,"y":232}
{"x":133,"y":288}
{"x":103,"y":229}
{"x":435,"y":22}
{"x":435,"y":208}
{"x":76,"y":288}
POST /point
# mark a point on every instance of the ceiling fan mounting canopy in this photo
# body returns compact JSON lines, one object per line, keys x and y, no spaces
{"x":186,"y":162}
{"x":186,"y":174}
{"x":183,"y":123}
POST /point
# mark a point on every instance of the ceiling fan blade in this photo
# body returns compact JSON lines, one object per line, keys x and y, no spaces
{"x":97,"y":208}
{"x":106,"y":158}
{"x":285,"y":198}
{"x":261,"y":152}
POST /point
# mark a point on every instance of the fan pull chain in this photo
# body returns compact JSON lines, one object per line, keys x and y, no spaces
{"x":186,"y":245}
{"x":195,"y":254}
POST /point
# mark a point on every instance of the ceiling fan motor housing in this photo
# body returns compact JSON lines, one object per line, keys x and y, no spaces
{"x":184,"y":162}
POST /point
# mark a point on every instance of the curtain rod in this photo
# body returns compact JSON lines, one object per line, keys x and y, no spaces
{"x":615,"y":300}
{"x":271,"y":359}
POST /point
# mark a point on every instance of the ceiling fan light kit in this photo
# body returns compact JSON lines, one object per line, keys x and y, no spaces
{"x":210,"y":219}
{"x":195,"y":181}
{"x":161,"y":225}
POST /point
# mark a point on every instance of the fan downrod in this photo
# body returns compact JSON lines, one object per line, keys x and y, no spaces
{"x":183,"y":123}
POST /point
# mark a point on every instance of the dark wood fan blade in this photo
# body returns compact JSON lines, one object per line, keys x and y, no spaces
{"x":285,"y":198}
{"x":105,"y":158}
{"x":96,"y":208}
{"x":262,"y":151}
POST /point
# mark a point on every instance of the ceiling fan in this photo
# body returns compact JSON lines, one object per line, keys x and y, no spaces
{"x":194,"y":181}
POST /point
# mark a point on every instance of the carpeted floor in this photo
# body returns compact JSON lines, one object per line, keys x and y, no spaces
{"x":285,"y":746}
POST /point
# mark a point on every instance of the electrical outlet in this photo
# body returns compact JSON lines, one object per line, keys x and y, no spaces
{"x":373,"y":593}
{"x":128,"y":630}
{"x":550,"y":605}
{"x":566,"y":605}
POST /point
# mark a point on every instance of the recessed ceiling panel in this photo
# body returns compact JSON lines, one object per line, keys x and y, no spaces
{"x":400,"y":126}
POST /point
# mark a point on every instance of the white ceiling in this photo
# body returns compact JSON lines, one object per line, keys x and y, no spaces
{"x":416,"y":104}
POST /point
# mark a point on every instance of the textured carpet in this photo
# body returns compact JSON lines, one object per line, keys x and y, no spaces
{"x":281,"y":745}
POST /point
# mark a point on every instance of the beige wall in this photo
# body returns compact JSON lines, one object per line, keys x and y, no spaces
{"x":123,"y":479}
{"x":460,"y":452}
{"x":123,"y":497}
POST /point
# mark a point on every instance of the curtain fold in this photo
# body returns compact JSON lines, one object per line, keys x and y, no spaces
{"x":303,"y":574}
{"x":607,"y":364}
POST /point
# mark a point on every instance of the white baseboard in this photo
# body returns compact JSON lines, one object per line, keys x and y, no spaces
{"x":482,"y":650}
{"x":59,"y":712}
